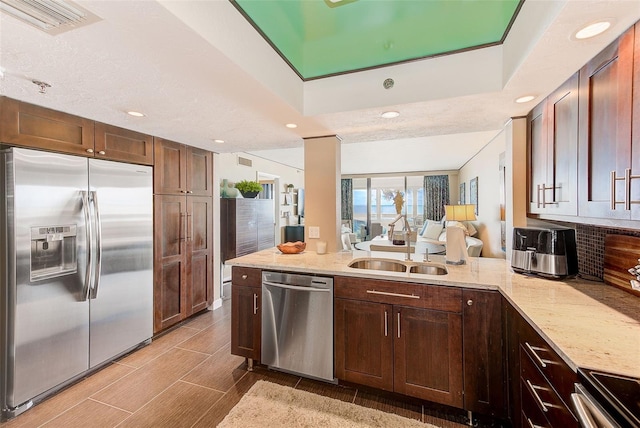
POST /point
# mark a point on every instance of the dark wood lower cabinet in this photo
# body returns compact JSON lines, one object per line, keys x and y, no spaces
{"x":246,"y":312}
{"x":183,"y":251}
{"x":485,"y":390}
{"x":441,"y":344}
{"x":364,"y":343}
{"x":540,"y":382}
{"x":428,"y":354}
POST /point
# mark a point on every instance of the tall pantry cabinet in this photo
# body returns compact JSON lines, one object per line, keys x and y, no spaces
{"x":183,"y":244}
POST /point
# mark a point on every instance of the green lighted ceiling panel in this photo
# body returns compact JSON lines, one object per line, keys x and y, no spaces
{"x":319,"y":38}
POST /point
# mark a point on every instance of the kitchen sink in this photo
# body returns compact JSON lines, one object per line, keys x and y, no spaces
{"x":379,"y":264}
{"x":398,"y":266}
{"x":429,"y":269}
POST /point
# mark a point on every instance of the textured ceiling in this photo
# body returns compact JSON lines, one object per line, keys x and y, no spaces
{"x":200,"y":71}
{"x":321,"y":38}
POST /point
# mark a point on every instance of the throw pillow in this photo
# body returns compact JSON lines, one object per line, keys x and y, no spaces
{"x":431,"y":230}
{"x":472,"y":230}
{"x":460,"y":225}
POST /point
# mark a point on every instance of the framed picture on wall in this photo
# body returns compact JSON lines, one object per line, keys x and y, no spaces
{"x":463,"y":191}
{"x":473,"y":192}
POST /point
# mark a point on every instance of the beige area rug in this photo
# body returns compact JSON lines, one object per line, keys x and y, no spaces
{"x":267,"y":404}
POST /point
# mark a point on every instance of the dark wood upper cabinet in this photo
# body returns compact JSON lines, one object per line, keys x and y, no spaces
{"x":606,"y":95}
{"x":170,"y":172}
{"x":182,"y":170}
{"x":124,"y":145}
{"x":28,"y":125}
{"x":553,"y":152}
{"x":199,"y":172}
{"x":635,"y":132}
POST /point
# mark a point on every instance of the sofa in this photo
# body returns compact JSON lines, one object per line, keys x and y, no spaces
{"x":433,"y":231}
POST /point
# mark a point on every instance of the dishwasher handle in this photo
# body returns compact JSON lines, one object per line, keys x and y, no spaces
{"x":589,"y":412}
{"x":295,"y":287}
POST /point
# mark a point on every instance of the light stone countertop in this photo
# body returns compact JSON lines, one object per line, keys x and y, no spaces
{"x":589,"y":324}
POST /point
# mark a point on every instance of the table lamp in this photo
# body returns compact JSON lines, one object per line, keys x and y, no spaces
{"x":456,"y":245}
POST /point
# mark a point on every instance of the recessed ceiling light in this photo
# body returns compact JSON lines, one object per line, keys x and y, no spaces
{"x":592,"y":30}
{"x":291,"y":125}
{"x":525,"y":99}
{"x":218,"y":141}
{"x":135,"y":113}
{"x":390,"y":114}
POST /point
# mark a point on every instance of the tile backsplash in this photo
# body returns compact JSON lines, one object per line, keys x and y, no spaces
{"x":590,"y":247}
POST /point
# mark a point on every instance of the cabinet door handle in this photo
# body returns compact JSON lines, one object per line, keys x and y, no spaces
{"x":255,"y":303}
{"x":181,"y":227}
{"x":189,"y":191}
{"x":384,"y":293}
{"x":532,"y":425}
{"x":398,"y":324}
{"x":469,"y":302}
{"x":245,"y":276}
{"x":189,"y":227}
{"x":538,"y":195}
{"x":102,"y":152}
{"x":627,"y":189}
{"x":386,"y":323}
{"x":89,"y":150}
{"x":535,"y":355}
{"x":533,"y":388}
{"x":183,"y":191}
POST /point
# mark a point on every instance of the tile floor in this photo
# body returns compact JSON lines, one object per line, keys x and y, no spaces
{"x":188,"y":378}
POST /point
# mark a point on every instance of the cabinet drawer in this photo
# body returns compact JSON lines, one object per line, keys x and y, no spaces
{"x":531,"y":415}
{"x":399,"y":293}
{"x":246,"y":276}
{"x":548,"y":362}
{"x":537,"y":391}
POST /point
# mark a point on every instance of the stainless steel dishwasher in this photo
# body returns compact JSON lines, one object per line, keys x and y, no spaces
{"x":297,"y":324}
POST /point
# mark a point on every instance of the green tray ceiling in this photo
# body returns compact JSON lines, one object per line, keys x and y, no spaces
{"x":319,"y":38}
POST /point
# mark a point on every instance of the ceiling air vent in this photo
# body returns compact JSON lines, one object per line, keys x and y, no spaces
{"x":244,"y":161}
{"x":50,"y":16}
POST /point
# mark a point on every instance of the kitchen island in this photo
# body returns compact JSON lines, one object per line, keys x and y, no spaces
{"x":587,"y":324}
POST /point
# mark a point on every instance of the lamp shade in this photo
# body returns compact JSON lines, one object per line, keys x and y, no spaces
{"x":460,"y":212}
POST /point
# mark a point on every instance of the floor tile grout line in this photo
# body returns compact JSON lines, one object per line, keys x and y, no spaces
{"x":219,"y":399}
{"x":202,"y":386}
{"x":111,"y":405}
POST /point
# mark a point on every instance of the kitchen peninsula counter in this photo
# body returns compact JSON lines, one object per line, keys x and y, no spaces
{"x":589,"y":324}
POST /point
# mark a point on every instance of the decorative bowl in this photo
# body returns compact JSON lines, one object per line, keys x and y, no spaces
{"x":292,"y":247}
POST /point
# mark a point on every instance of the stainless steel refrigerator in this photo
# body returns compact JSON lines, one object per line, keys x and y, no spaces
{"x":76,"y":269}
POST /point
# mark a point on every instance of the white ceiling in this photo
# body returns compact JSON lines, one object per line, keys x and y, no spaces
{"x":199,"y":72}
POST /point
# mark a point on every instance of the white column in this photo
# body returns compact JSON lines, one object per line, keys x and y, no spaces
{"x":322,"y":174}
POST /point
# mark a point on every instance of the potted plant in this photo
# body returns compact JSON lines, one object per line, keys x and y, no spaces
{"x":249,"y":189}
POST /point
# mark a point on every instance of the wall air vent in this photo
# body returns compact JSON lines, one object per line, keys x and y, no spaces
{"x":244,"y":161}
{"x":51,"y":16}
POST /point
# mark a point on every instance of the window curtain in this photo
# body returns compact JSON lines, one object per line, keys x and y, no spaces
{"x":346,"y":200}
{"x":267,"y":191}
{"x":436,"y":196}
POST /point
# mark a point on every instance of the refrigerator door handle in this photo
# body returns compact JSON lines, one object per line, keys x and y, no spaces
{"x":97,"y":265}
{"x":89,"y":264}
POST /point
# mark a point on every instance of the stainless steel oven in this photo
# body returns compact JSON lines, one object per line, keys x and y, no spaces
{"x":297,"y":324}
{"x":606,"y":400}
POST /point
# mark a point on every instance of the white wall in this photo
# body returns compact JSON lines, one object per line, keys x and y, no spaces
{"x":486,"y":166}
{"x":226,"y":167}
{"x":229,"y":169}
